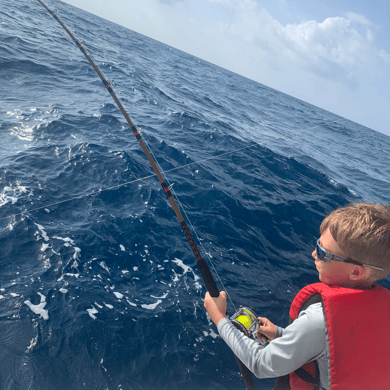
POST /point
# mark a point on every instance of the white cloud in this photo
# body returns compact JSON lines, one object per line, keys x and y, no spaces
{"x":332,"y":63}
{"x":385,"y":56}
{"x":309,"y":43}
{"x":358,"y":19}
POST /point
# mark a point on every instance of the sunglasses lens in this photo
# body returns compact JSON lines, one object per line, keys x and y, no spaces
{"x":320,"y":253}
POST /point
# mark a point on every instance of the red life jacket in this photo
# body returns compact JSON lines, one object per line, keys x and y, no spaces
{"x":358,"y":323}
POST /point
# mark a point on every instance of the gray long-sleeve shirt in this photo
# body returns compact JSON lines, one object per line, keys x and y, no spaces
{"x":303,"y":341}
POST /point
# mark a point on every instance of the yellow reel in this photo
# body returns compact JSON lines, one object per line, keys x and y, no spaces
{"x":246,"y":320}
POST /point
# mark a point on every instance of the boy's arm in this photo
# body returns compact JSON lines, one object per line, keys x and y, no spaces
{"x":302,"y":341}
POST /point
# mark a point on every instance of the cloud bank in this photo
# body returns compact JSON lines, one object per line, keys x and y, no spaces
{"x":333,"y":64}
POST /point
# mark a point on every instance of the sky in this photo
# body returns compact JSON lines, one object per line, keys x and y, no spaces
{"x":334,"y":54}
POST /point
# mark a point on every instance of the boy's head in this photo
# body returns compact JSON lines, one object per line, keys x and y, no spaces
{"x":362,"y":232}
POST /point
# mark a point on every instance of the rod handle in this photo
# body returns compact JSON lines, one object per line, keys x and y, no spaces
{"x":207,"y":277}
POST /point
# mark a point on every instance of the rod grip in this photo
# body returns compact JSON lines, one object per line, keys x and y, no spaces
{"x":208,"y":278}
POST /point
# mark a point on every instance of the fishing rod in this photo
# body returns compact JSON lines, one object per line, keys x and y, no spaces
{"x":244,"y":319}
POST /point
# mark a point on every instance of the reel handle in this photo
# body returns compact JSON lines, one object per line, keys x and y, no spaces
{"x":263,"y":335}
{"x":248,"y":322}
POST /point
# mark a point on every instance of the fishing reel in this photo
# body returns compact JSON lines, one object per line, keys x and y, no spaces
{"x":246,"y":320}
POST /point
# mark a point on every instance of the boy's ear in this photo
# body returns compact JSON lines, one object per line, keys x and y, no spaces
{"x":358,"y":273}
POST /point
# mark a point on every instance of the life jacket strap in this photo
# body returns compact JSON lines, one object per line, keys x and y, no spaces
{"x":306,"y":377}
{"x":283,"y":382}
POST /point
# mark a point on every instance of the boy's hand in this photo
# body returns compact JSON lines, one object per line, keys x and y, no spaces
{"x":216,"y":307}
{"x":267,"y":328}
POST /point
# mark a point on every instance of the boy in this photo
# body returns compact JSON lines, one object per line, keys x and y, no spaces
{"x":345,"y":335}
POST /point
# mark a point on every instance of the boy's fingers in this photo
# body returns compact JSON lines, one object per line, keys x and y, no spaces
{"x":264,"y":339}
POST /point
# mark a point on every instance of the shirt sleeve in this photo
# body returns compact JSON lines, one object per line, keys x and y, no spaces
{"x":279,"y":331}
{"x":302,"y":341}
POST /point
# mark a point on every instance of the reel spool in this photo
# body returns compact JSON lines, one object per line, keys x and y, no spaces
{"x":246,"y":320}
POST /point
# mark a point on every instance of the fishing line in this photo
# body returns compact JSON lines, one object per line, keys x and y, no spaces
{"x":117,"y":186}
{"x":201,"y":263}
{"x":204,"y":250}
{"x":97,"y":192}
{"x":170,"y":170}
{"x":190,"y":223}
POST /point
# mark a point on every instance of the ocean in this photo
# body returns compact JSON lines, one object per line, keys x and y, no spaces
{"x":98,"y":286}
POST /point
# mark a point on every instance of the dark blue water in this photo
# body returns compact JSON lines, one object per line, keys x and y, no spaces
{"x":99,"y":288}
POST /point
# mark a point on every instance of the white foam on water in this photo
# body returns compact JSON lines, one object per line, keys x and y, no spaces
{"x":163,"y":297}
{"x":77,"y":252}
{"x":43,"y":232}
{"x":66,"y":240}
{"x":72,"y":275}
{"x":44,"y":247}
{"x":5,"y":198}
{"x":186,"y":268}
{"x":21,"y":189}
{"x":39,"y":309}
{"x":10,"y":226}
{"x":104,"y":266}
{"x":91,"y":312}
{"x":152,"y":306}
{"x":176,"y":278}
{"x":33,"y":342}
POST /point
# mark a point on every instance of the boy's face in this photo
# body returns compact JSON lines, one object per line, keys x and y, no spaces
{"x":334,"y":272}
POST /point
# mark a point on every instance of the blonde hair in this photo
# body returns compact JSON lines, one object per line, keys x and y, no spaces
{"x":362,"y":231}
